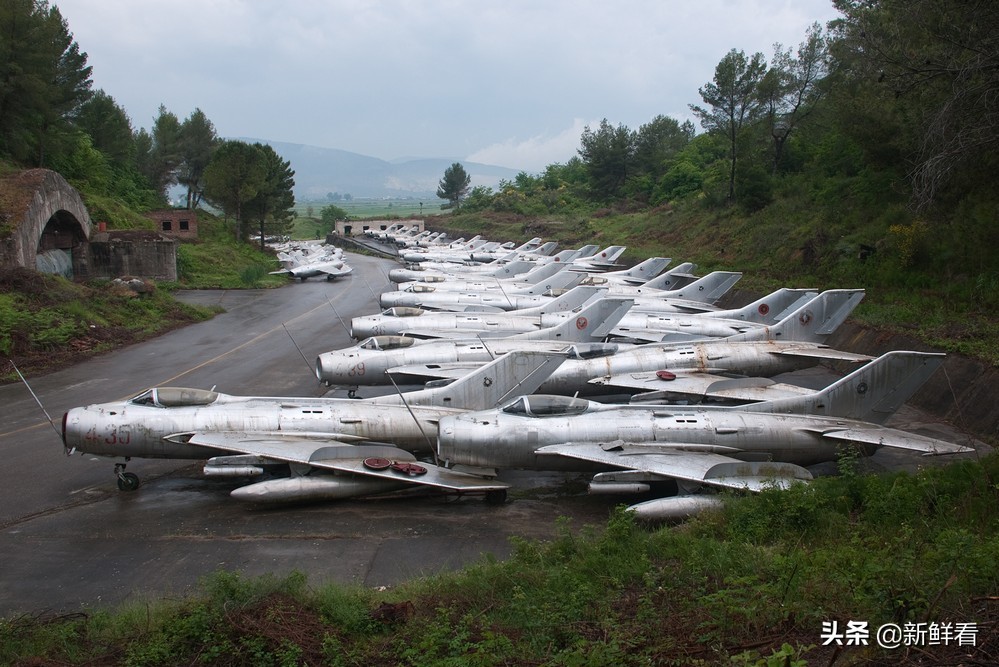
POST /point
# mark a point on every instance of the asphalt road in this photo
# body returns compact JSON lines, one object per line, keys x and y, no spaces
{"x":70,"y":540}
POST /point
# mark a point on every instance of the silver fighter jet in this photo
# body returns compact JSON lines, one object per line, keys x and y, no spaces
{"x":750,"y":447}
{"x":328,"y":447}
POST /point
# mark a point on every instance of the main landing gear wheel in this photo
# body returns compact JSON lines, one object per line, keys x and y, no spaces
{"x":496,"y":497}
{"x":127,"y":481}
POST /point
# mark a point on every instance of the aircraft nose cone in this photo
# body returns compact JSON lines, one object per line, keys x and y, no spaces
{"x":321,"y":368}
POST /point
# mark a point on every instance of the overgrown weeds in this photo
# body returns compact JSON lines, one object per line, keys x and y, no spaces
{"x":47,"y":321}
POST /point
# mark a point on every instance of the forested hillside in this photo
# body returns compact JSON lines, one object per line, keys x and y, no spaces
{"x":862,"y":157}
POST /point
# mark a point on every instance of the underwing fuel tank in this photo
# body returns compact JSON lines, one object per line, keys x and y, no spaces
{"x":317,"y":487}
{"x":617,"y":488}
{"x":674,"y":508}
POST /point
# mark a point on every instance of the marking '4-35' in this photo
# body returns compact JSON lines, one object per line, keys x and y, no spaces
{"x":113,"y":438}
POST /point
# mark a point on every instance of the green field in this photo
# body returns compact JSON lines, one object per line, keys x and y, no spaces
{"x":376,"y":208}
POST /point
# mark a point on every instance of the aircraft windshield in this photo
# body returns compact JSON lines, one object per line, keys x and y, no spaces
{"x":386,"y":343}
{"x":171,"y":397}
{"x":542,"y":405}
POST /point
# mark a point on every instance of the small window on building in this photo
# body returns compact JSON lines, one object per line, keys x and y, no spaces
{"x":184,"y":225}
{"x":167,"y":225}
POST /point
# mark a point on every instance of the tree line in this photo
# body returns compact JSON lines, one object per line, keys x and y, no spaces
{"x":894,"y":102}
{"x":50,"y":117}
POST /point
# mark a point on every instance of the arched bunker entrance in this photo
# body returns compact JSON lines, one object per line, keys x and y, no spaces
{"x":47,"y":223}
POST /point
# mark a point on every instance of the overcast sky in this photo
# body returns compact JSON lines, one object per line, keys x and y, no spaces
{"x":509,"y":82}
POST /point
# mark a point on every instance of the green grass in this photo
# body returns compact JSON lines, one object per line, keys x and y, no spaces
{"x":749,"y":584}
{"x":47,"y":321}
{"x":226,"y":266}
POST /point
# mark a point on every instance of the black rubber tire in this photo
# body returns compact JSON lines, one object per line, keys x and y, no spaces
{"x":128,"y":481}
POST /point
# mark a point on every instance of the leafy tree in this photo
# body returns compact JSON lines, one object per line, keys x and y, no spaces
{"x":108,"y":126}
{"x":234,"y":176}
{"x":479,"y":199}
{"x":936,"y":65}
{"x":657,"y":143}
{"x":197,"y":140}
{"x":790,"y":89}
{"x":570,"y":175}
{"x":161,"y":163}
{"x":454,"y":186}
{"x":606,"y":155}
{"x":330,"y":213}
{"x":44,"y":78}
{"x":690,"y":169}
{"x":733,"y":97}
{"x":273,"y":205}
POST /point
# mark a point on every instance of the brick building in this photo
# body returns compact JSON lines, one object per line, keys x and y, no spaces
{"x":179,"y":223}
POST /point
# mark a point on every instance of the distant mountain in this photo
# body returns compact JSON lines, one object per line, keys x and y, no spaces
{"x":319,"y":171}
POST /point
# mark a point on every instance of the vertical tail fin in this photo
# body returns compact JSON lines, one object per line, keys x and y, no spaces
{"x":708,"y":289}
{"x":544,"y":250}
{"x":571,"y":300}
{"x":767,"y":309}
{"x":530,"y":245}
{"x":510,"y":269}
{"x":871,"y":393}
{"x":487,"y":386}
{"x":811,"y":322}
{"x":561,"y":280}
{"x":565,"y":256}
{"x":539,"y":273}
{"x":681,"y":274}
{"x":590,"y":325}
{"x":643,"y":271}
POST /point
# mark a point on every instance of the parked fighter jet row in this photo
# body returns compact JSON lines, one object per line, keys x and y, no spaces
{"x":306,"y":260}
{"x":680,"y":391}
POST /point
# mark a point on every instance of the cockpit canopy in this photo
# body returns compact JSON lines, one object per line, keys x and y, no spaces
{"x":174,"y":397}
{"x":419,"y":288}
{"x":591,"y":350}
{"x":386,"y":343}
{"x":403,"y":311}
{"x":544,"y":405}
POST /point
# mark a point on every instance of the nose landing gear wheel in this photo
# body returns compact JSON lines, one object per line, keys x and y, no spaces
{"x":127,"y":481}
